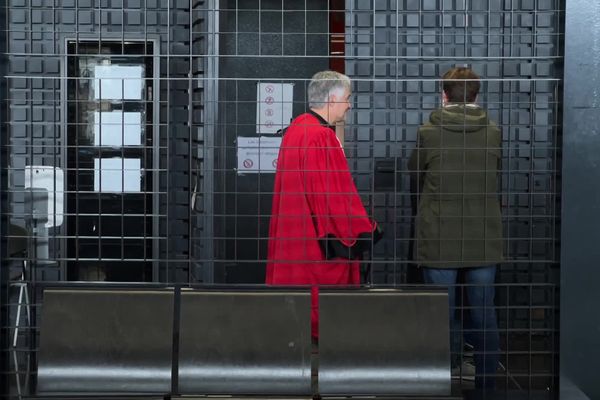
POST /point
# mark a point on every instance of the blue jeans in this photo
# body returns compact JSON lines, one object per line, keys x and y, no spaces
{"x":480,"y":293}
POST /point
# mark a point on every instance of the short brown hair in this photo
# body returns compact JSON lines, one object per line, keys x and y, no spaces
{"x":457,"y":91}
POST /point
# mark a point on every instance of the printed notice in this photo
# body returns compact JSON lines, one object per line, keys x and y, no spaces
{"x":274,"y":106}
{"x":257,"y":154}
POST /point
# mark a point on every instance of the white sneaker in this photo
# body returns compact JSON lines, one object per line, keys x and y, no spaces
{"x":465,"y":371}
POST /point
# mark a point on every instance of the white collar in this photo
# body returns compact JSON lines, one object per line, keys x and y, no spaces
{"x":470,"y":105}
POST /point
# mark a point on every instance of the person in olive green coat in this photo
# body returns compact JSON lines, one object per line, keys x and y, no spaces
{"x":456,"y":165}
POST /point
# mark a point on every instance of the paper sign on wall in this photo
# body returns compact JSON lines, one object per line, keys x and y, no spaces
{"x":257,"y":154}
{"x":117,"y":175}
{"x":116,"y":128}
{"x":118,"y":82}
{"x":274,"y":106}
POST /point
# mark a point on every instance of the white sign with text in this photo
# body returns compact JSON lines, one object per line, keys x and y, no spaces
{"x":257,"y":154}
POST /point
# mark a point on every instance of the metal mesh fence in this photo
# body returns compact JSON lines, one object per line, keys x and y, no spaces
{"x":139,"y":146}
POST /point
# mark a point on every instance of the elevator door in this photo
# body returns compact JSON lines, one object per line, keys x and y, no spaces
{"x":109,"y":159}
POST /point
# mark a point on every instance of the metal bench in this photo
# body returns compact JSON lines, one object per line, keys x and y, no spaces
{"x":106,"y":341}
{"x":242,"y":342}
{"x":384,"y":342}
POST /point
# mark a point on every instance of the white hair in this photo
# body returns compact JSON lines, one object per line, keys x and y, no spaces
{"x":325,"y":83}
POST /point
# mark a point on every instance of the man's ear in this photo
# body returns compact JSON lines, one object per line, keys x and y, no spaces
{"x":444,"y":98}
{"x":332,"y":99}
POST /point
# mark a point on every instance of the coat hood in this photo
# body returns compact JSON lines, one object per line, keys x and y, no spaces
{"x":460,"y":117}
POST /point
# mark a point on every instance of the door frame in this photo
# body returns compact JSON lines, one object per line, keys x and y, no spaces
{"x":115,"y":37}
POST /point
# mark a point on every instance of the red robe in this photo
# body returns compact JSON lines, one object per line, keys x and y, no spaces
{"x":314,"y":198}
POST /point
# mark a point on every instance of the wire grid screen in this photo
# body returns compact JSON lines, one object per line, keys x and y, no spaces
{"x":137,"y":179}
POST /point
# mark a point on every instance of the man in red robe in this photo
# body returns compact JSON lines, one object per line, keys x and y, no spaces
{"x":319,"y":228}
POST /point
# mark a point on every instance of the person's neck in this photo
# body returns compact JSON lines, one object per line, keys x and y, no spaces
{"x":322,"y":112}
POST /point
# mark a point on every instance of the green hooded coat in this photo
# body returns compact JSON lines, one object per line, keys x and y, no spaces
{"x":456,"y":163}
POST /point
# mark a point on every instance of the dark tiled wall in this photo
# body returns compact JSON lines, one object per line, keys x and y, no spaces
{"x":397,"y":51}
{"x":36,"y":37}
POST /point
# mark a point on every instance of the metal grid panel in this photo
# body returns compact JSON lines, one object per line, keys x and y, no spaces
{"x":398,"y":51}
{"x":209,"y":223}
{"x":395,"y":52}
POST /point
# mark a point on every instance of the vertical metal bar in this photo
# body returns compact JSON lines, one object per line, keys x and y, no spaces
{"x":190,"y":122}
{"x":235,"y":176}
{"x":466,"y":37}
{"x":55,"y":145}
{"x":122,"y":197}
{"x":76,"y":144}
{"x":510,"y":201}
{"x":443,"y":26}
{"x":554,"y":327}
{"x":530,"y":341}
{"x":175,"y":341}
{"x":259,"y":173}
{"x":305,"y":28}
{"x":211,"y":97}
{"x":155,"y":149}
{"x":100,"y":162}
{"x":532,"y":168}
{"x":372,"y":202}
{"x":157,"y":242}
{"x":555,"y":143}
{"x":168,"y":146}
{"x":398,"y":166}
{"x":4,"y":210}
{"x":144,"y":148}
{"x":34,"y":265}
{"x":507,"y":346}
{"x":260,"y":33}
{"x":62,"y":52}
